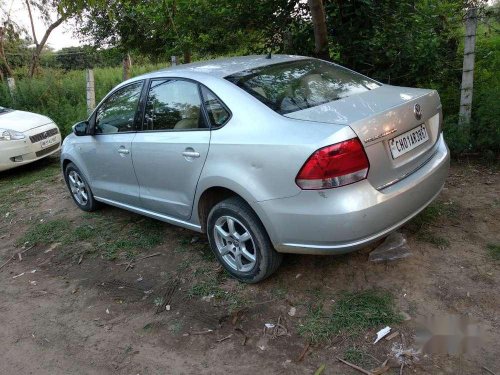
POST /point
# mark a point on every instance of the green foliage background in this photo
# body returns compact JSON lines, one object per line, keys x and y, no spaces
{"x":61,"y":95}
{"x":400,"y":42}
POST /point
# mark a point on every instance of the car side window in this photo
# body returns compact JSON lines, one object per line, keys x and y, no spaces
{"x":173,"y":105}
{"x":216,"y":110}
{"x":117,"y":113}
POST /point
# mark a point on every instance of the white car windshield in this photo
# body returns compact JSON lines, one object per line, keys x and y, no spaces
{"x":296,"y":85}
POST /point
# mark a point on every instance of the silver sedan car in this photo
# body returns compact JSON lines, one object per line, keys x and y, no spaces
{"x":266,"y":155}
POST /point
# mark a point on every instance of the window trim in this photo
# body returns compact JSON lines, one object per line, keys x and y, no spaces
{"x":92,"y":119}
{"x":202,"y":106}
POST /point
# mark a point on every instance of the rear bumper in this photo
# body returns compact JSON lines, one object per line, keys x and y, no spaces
{"x":341,"y":220}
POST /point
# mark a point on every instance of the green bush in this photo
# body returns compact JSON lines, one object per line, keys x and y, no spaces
{"x":61,"y":95}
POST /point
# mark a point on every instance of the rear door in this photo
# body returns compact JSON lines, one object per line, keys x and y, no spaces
{"x":170,"y":151}
{"x":108,"y":152}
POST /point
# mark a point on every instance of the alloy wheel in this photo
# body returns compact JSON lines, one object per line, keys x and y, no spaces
{"x":235,"y":244}
{"x":78,"y":188}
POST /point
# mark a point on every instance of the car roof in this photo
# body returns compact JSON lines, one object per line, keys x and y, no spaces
{"x":225,"y":66}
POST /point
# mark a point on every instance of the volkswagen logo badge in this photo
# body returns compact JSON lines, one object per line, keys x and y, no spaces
{"x":417,"y":110}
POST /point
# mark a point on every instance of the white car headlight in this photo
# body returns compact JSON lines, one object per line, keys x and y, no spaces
{"x":10,"y":135}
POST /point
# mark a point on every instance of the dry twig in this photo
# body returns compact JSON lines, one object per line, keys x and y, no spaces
{"x":355,"y":367}
{"x":8,"y":261}
{"x":202,"y":332}
{"x":225,"y":338}
{"x":488,"y":370}
{"x":304,"y":352}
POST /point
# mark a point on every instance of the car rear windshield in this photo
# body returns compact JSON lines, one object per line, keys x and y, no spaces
{"x":300,"y":84}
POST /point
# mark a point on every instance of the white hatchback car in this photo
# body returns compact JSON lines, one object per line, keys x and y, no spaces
{"x":26,"y":137}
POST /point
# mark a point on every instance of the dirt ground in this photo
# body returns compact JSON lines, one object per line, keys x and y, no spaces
{"x":71,"y":303}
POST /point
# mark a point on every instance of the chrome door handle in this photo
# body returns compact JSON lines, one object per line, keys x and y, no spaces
{"x":191,"y":154}
{"x":123,"y":151}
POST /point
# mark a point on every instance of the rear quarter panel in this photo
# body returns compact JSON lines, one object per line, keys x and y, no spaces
{"x":258,"y":153}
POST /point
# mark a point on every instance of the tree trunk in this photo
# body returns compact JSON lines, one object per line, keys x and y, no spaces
{"x":35,"y":60}
{"x":187,"y":56}
{"x":3,"y":59}
{"x":320,"y":31}
{"x":468,"y":67}
{"x":35,"y":57}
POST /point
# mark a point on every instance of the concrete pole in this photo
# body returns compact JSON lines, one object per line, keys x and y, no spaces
{"x":127,"y":63}
{"x":11,"y":84}
{"x":468,"y":67}
{"x":89,"y":78}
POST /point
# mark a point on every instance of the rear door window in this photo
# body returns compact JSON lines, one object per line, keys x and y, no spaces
{"x":173,"y":105}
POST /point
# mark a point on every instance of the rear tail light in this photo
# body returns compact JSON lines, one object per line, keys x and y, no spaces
{"x":333,"y":166}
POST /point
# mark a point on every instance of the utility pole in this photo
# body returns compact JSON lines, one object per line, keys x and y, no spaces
{"x":468,"y":67}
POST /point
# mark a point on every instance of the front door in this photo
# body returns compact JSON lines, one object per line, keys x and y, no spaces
{"x":170,"y":151}
{"x":108,"y":153}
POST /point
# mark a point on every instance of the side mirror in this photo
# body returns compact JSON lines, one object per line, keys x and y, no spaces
{"x":80,"y":128}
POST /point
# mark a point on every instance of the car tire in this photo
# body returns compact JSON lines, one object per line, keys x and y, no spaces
{"x":240,"y":241}
{"x":79,"y":188}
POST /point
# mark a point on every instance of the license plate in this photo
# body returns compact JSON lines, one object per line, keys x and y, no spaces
{"x":44,"y":143}
{"x":406,"y":142}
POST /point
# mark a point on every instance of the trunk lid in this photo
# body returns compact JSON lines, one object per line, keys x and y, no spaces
{"x":377,"y":117}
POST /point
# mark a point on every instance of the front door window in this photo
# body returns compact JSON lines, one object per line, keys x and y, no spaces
{"x":118,"y":113}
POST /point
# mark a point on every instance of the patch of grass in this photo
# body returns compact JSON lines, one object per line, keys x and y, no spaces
{"x":352,"y":313}
{"x":46,"y":232}
{"x":184,"y":265}
{"x":158,"y":301}
{"x":209,"y":284}
{"x":434,"y":239}
{"x":494,"y":251}
{"x":208,"y":287}
{"x":359,"y":357}
{"x":17,"y":184}
{"x":432,"y":213}
{"x":84,"y":232}
{"x":111,"y":238}
{"x":175,"y":327}
{"x":279,"y":292}
{"x":207,"y":254}
{"x":354,"y":355}
{"x":316,"y":326}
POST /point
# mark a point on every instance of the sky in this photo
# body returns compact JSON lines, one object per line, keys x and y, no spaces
{"x":60,"y":37}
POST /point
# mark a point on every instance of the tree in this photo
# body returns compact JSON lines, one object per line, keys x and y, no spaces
{"x":184,"y":27}
{"x":320,"y":30}
{"x":45,"y":7}
{"x":76,"y":57}
{"x":9,"y":31}
{"x":5,"y":64}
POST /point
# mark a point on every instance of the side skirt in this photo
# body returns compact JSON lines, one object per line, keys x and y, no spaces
{"x":154,"y":215}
